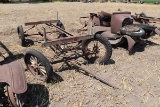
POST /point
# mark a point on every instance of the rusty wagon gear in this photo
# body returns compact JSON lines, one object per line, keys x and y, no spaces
{"x":67,"y":48}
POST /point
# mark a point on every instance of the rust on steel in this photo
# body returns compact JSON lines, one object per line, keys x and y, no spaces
{"x":142,"y":18}
{"x":60,"y":29}
{"x":9,"y":74}
{"x":117,"y":21}
{"x":150,"y":19}
{"x":66,"y":40}
{"x":41,"y":22}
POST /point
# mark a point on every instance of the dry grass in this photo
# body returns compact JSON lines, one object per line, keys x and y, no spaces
{"x":137,"y":76}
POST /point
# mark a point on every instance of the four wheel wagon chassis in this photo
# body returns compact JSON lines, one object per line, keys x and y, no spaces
{"x":67,"y":49}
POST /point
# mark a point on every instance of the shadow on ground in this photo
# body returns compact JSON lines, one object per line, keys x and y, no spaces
{"x":54,"y":78}
{"x":37,"y":96}
{"x":138,"y":47}
{"x":10,"y":57}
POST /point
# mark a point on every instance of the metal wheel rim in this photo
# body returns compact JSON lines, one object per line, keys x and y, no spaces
{"x":97,"y":48}
{"x":132,"y":28}
{"x":36,"y":67}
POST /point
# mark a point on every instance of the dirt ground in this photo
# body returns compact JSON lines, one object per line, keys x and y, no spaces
{"x":137,"y":76}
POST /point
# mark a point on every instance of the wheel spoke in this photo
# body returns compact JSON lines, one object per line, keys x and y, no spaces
{"x":90,"y":46}
{"x":100,"y":44}
{"x":102,"y":50}
{"x":14,"y":99}
{"x":96,"y":50}
{"x":39,"y":63}
{"x":36,"y":71}
{"x":18,"y":100}
{"x":33,"y":60}
{"x":42,"y":70}
{"x":33,"y":65}
{"x":101,"y":55}
{"x":37,"y":66}
{"x":36,"y":63}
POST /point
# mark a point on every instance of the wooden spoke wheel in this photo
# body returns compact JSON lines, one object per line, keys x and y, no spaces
{"x":97,"y":49}
{"x":38,"y":64}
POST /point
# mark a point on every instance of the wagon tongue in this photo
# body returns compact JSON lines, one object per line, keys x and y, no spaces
{"x":92,"y":73}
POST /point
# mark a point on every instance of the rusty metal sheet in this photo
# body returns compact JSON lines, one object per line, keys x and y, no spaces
{"x":13,"y":74}
{"x":117,"y":19}
{"x":1,"y":59}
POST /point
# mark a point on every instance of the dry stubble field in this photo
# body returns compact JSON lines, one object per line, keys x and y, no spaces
{"x":137,"y":76}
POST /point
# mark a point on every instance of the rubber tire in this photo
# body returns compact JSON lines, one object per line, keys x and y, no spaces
{"x":146,"y":27}
{"x":105,"y":42}
{"x":140,"y":33}
{"x":21,"y":35}
{"x":44,"y":61}
{"x":149,"y":30}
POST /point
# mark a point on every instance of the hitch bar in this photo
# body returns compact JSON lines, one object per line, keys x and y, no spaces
{"x":86,"y":69}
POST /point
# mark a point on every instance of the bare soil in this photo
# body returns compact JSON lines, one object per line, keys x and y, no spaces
{"x":137,"y":76}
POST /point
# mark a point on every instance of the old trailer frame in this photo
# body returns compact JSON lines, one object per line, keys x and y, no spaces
{"x":68,"y":55}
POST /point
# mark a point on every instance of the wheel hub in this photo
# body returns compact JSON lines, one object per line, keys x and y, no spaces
{"x":95,"y":49}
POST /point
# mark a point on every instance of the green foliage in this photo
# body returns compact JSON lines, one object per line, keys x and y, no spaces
{"x":148,"y":1}
{"x":61,"y":0}
{"x":34,"y":1}
{"x":145,"y":1}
